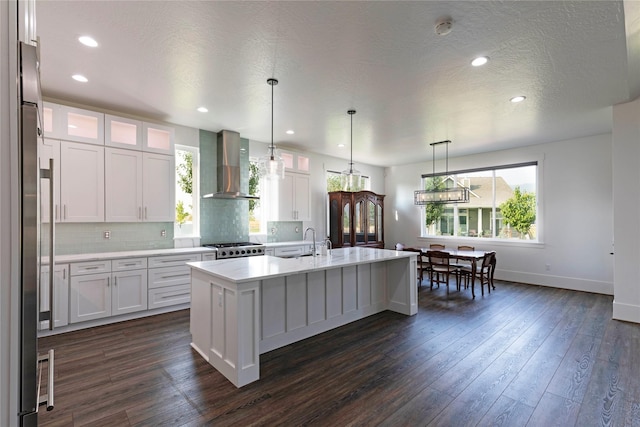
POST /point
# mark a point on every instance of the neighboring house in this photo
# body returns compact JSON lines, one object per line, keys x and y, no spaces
{"x":475,"y":219}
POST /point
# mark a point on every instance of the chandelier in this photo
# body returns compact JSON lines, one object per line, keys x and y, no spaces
{"x":272,"y":165}
{"x":441,"y":195}
{"x":351,"y":178}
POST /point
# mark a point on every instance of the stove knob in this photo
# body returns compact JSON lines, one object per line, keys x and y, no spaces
{"x":224,"y":253}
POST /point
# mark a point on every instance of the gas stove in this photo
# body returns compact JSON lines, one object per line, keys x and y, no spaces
{"x":236,"y":249}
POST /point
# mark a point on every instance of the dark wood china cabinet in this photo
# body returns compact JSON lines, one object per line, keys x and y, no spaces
{"x":356,"y":219}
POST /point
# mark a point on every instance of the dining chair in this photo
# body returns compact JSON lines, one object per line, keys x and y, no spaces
{"x":484,"y":272}
{"x":436,"y":246}
{"x":422,"y":263}
{"x":460,"y":264}
{"x":440,"y":269}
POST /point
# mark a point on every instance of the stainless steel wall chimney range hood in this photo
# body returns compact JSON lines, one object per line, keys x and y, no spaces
{"x":229,"y":168}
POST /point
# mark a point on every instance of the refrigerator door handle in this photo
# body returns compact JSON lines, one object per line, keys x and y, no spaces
{"x":46,"y":399}
{"x":52,"y":241}
{"x":49,"y":174}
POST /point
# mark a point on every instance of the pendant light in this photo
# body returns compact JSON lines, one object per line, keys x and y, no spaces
{"x":351,"y":178}
{"x":272,"y":165}
{"x":441,"y":195}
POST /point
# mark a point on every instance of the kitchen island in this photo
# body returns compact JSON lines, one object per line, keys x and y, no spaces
{"x":243,"y":307}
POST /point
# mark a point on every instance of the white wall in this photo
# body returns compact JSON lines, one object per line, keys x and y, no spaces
{"x":626,"y":206}
{"x":319,"y":164}
{"x":576,"y":215}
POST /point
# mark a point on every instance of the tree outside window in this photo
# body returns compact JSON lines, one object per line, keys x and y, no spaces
{"x":255,"y":208}
{"x":502,"y":204}
{"x":186,"y":208}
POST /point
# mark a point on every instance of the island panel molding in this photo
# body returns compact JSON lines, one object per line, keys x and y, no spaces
{"x":244,"y":307}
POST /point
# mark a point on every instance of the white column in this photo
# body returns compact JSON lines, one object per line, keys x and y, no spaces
{"x":626,"y":211}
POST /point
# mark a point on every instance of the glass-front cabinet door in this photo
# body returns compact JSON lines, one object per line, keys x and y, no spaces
{"x":346,"y":224}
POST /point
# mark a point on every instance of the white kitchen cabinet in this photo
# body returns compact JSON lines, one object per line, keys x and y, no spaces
{"x":81,"y":125}
{"x":158,"y":138}
{"x":97,"y":292}
{"x":81,"y":182}
{"x":49,"y":149}
{"x":123,"y":185}
{"x":170,"y":279}
{"x":52,"y":120}
{"x":294,"y":201}
{"x":90,"y":297}
{"x":158,"y":187}
{"x":295,"y":162}
{"x":122,"y":132}
{"x":129,"y":291}
{"x":60,"y":295}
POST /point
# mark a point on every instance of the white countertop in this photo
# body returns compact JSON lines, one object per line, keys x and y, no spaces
{"x":247,"y":269}
{"x":63,"y":259}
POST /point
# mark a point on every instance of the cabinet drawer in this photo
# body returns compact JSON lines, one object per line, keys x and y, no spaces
{"x":90,"y":267}
{"x":171,"y":295}
{"x":169,"y":276}
{"x":128,"y":264}
{"x":209,"y":257}
{"x":172,"y":260}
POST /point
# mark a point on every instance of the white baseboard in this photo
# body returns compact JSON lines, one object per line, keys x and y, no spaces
{"x":562,"y":282}
{"x":626,"y":312}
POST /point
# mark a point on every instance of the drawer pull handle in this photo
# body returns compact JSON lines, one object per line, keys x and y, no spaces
{"x":92,"y":268}
{"x":174,"y":275}
{"x":175,"y":260}
{"x":130,"y":264}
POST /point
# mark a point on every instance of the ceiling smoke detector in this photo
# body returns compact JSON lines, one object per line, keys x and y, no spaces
{"x":443,"y":26}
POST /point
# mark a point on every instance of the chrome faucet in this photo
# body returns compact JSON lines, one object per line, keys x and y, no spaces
{"x":329,"y":246}
{"x":304,"y":237}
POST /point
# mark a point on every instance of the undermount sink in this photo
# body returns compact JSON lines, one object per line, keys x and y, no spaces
{"x":295,"y":256}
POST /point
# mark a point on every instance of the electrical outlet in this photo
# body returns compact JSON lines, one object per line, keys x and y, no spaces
{"x":548,"y":267}
{"x":163,"y":233}
{"x":107,"y":234}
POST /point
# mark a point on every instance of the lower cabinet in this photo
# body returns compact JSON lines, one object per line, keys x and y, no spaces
{"x":170,"y":280}
{"x":97,"y":292}
{"x":60,"y":295}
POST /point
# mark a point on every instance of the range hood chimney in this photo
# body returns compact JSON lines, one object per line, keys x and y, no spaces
{"x":229,"y":168}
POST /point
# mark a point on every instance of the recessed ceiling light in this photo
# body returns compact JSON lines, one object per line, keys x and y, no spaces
{"x":80,"y":78}
{"x":519,"y":98}
{"x":340,"y":145}
{"x":479,"y":61}
{"x":203,"y":109}
{"x":290,"y":132}
{"x":88,"y":41}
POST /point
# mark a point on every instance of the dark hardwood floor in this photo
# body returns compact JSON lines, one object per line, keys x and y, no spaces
{"x":522,"y":355}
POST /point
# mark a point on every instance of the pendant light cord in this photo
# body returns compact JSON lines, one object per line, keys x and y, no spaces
{"x":272,"y":82}
{"x":351,"y":113}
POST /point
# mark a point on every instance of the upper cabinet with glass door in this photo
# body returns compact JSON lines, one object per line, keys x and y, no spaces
{"x":295,"y":162}
{"x":122,"y":133}
{"x":73,"y":124}
{"x":157,"y":138}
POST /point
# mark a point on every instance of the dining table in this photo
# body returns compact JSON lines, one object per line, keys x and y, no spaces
{"x":464,"y":255}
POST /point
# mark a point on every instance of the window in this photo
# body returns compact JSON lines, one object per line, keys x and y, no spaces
{"x":502,"y":203}
{"x":334,"y":181}
{"x":257,"y":223}
{"x":187,"y":219}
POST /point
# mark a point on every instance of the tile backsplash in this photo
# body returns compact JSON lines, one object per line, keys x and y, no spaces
{"x":80,"y":238}
{"x":284,"y":231}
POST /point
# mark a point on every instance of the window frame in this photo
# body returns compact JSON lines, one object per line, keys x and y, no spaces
{"x":538,"y":163}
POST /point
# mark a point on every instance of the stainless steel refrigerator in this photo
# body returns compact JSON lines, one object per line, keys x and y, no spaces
{"x":33,"y":374}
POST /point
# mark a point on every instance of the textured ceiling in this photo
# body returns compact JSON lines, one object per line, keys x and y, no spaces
{"x":410,"y":87}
